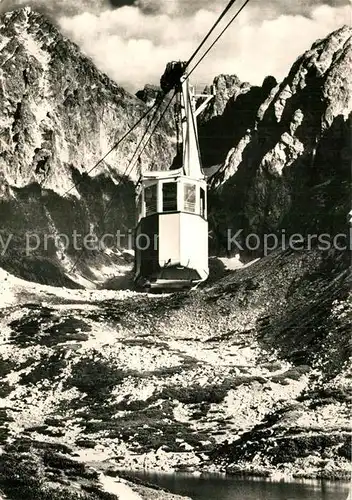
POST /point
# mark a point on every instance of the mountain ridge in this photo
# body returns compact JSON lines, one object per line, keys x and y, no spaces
{"x":250,"y":373}
{"x":284,"y":171}
{"x":39,"y":48}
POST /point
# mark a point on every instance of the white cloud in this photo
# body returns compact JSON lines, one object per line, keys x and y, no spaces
{"x":266,"y":8}
{"x":54,"y":8}
{"x":133,"y":46}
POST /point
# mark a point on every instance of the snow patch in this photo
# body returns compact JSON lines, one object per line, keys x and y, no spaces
{"x":34,"y":49}
{"x":181,"y":413}
{"x":118,"y":487}
{"x":4,"y":40}
{"x":234,"y":263}
{"x":15,"y":290}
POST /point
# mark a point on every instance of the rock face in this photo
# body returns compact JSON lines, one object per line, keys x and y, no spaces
{"x":229,"y":115}
{"x":226,"y":87}
{"x":288,"y":166}
{"x":58,"y":116}
{"x":58,"y":112}
{"x":149,"y":94}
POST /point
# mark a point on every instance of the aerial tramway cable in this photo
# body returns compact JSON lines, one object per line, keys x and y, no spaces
{"x":223,"y":14}
{"x":158,"y":107}
{"x":218,"y":37}
{"x":115,"y":145}
{"x":131,"y":166}
{"x":228,"y":7}
{"x":129,"y":170}
{"x":156,"y":126}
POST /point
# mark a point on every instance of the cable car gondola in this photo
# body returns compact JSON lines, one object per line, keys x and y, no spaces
{"x":171,"y":235}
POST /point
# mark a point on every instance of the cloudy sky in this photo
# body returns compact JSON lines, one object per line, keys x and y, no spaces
{"x":132,"y":40}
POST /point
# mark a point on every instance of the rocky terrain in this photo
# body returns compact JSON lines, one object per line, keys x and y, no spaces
{"x":249,"y":373}
{"x":59,"y":113}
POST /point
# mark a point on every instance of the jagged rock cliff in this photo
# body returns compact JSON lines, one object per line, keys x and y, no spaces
{"x":149,"y":94}
{"x":289,"y":159}
{"x":58,"y":112}
{"x":58,"y":116}
{"x":230,"y":114}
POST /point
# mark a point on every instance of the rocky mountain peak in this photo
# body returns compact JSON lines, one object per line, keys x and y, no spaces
{"x":283,"y":170}
{"x":233,"y":111}
{"x":324,"y":69}
{"x":59,"y":115}
{"x":58,"y":111}
{"x":226,"y":88}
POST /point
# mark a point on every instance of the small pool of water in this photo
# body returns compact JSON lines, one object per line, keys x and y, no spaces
{"x":220,"y":487}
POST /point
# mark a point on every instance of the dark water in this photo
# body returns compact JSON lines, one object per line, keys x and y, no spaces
{"x":219,"y":487}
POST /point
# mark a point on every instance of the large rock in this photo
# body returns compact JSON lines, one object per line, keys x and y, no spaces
{"x":149,"y":94}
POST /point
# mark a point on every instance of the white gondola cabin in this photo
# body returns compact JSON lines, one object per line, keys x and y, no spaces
{"x":171,"y":237}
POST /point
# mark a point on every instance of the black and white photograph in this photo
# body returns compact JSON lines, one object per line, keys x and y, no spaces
{"x":175,"y":250}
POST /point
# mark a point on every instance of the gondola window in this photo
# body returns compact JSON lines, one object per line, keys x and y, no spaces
{"x":151,"y":198}
{"x":169,"y":197}
{"x":190,"y":197}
